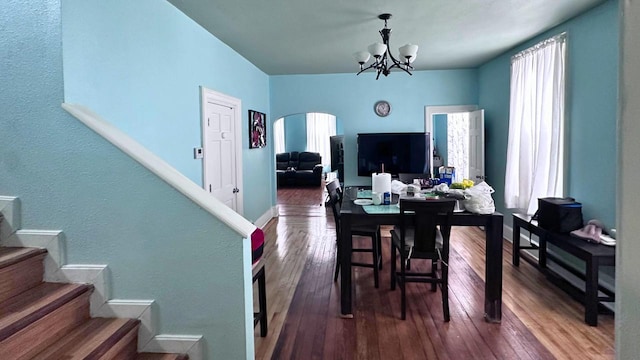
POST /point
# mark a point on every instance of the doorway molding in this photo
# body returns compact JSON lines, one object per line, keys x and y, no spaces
{"x":212,"y":96}
{"x":429,"y":111}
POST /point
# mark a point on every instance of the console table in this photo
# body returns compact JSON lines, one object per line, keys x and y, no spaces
{"x":593,"y":254}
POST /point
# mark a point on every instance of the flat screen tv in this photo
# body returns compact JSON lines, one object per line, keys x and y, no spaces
{"x":399,"y":152}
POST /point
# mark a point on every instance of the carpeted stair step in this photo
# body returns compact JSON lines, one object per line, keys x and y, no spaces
{"x":20,"y":270}
{"x":36,"y":318}
{"x":98,"y":338}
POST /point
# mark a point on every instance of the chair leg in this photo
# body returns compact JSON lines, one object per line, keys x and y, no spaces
{"x":338,"y":254}
{"x":379,"y":238}
{"x":445,"y":291}
{"x":403,"y":284}
{"x":434,"y":269}
{"x":262,"y":303}
{"x":393,"y":266}
{"x":376,"y":259}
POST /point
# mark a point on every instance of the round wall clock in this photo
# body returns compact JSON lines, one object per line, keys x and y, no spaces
{"x":382,"y":108}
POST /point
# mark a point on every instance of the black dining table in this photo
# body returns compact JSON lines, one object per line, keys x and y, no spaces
{"x":353,"y":215}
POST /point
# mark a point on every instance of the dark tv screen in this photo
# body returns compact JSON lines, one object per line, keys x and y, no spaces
{"x":399,"y":152}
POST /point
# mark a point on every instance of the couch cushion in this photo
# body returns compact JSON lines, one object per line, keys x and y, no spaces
{"x":293,"y":159}
{"x":308,"y":160}
{"x":282,"y":161}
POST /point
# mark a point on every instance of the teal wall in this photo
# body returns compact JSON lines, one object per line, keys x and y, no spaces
{"x":351,"y":99}
{"x":158,"y":244}
{"x":591,"y":100}
{"x":295,"y":132}
{"x":140,"y":65}
{"x":441,"y":142}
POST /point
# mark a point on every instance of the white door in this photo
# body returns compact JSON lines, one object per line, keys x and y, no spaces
{"x":476,"y":146}
{"x":221,"y":143}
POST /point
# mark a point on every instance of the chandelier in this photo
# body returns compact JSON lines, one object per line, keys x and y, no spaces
{"x":383,"y":61}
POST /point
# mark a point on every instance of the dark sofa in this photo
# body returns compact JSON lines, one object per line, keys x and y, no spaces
{"x":294,"y":168}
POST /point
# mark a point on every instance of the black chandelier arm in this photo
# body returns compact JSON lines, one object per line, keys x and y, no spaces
{"x":403,"y":67}
{"x":373,"y":65}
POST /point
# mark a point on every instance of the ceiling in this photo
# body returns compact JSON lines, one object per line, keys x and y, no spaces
{"x":319,"y":37}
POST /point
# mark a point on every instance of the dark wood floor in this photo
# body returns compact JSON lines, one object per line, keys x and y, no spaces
{"x":539,"y":320}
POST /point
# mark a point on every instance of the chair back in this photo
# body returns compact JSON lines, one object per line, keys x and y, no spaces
{"x":335,"y":201}
{"x":423,"y":216}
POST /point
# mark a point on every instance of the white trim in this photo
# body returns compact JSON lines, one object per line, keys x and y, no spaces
{"x":10,"y":210}
{"x":179,"y":344}
{"x":264,"y":219}
{"x":162,"y":169}
{"x":132,"y":309}
{"x":236,"y":104}
{"x":429,"y":111}
{"x":51,"y":240}
{"x":96,"y":275}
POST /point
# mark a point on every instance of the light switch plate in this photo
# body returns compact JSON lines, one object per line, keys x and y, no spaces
{"x":198,"y":153}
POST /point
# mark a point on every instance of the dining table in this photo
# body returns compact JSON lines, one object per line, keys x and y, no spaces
{"x":352,"y":214}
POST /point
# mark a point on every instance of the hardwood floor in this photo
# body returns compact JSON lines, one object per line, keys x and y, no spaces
{"x":539,"y":321}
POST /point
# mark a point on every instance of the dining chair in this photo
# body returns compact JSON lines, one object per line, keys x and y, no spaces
{"x":423,"y":233}
{"x":372,"y":231}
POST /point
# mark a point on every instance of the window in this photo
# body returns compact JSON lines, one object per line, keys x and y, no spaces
{"x":536,"y":125}
{"x":278,"y":136}
{"x":319,"y":128}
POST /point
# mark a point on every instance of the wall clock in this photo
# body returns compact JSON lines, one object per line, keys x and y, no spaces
{"x":382,"y":108}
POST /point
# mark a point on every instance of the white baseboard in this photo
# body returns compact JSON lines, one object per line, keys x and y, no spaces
{"x":51,"y":240}
{"x":10,"y":210}
{"x":189,"y":344}
{"x":96,"y":275}
{"x":132,"y":309}
{"x":266,"y":217}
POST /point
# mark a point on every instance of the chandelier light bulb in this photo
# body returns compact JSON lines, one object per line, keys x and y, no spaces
{"x":361,"y":57}
{"x":377,"y":49}
{"x":409,"y":52}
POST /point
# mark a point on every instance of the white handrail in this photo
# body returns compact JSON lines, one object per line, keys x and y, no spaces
{"x":162,"y":169}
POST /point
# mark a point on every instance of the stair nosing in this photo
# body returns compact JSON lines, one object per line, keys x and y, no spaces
{"x":115,"y":337}
{"x":23,"y":256}
{"x":42,"y":311}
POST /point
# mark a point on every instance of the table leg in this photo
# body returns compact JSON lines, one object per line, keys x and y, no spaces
{"x":542,"y":250}
{"x":493,"y":270}
{"x":516,"y":243}
{"x":591,"y":293}
{"x":345,"y":267}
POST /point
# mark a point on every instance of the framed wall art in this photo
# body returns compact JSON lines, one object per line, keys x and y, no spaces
{"x":257,"y":129}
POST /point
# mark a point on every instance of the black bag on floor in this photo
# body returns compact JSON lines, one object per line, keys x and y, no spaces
{"x":561,"y":215}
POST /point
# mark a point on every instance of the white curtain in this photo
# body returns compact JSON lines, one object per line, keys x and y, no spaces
{"x":278,"y":136}
{"x":536,"y":116}
{"x":319,"y":128}
{"x":458,"y":144}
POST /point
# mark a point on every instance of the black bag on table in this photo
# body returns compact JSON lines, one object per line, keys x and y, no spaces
{"x":561,"y":215}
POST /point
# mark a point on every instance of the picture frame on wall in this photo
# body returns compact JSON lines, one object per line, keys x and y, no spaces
{"x":257,"y":129}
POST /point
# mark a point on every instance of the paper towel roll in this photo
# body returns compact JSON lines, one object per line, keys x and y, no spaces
{"x":381,"y":182}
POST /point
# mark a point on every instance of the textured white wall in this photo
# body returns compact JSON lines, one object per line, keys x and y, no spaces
{"x":628,"y":271}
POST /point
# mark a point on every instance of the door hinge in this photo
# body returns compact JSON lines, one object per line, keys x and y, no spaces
{"x":209,"y":187}
{"x":236,"y":190}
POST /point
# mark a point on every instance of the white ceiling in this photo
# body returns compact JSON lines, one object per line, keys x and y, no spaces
{"x":320,"y":36}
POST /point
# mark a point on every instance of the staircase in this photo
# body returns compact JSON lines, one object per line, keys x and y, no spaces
{"x":46,"y":320}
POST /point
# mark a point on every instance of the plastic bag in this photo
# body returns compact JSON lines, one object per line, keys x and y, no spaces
{"x":479,"y":200}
